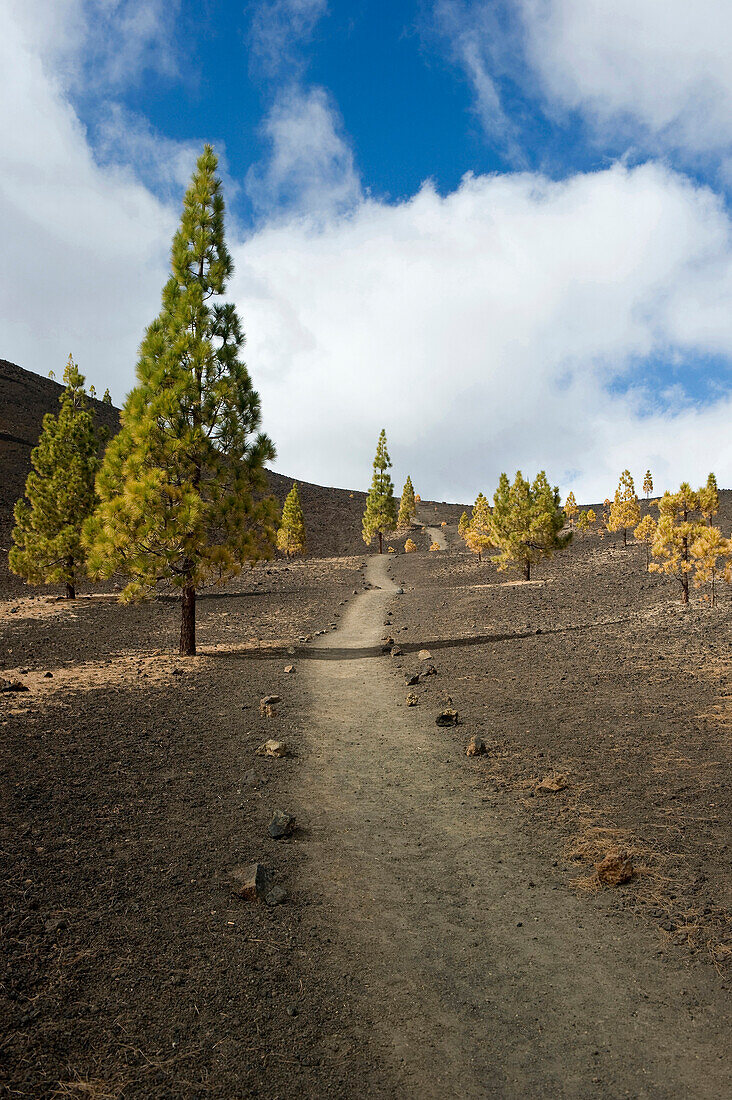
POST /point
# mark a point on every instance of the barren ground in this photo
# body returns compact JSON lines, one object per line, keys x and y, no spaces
{"x":444,"y":933}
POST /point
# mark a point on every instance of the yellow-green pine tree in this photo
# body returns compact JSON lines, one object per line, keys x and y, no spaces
{"x":648,"y":484}
{"x":645,"y":532}
{"x":407,"y":506}
{"x":625,"y":509}
{"x":380,"y":516}
{"x":59,"y":492}
{"x":571,"y":509}
{"x":291,"y":533}
{"x":678,"y":527}
{"x":463,"y":524}
{"x":709,"y":499}
{"x":182,"y":487}
{"x":527,"y":522}
{"x":478,"y":531}
{"x":710,"y":552}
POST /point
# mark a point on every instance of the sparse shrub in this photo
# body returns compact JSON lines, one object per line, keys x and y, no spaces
{"x":435,"y":546}
{"x":390,"y":550}
{"x":409,"y":547}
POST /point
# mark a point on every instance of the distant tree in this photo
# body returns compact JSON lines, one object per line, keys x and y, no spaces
{"x":710,"y":552}
{"x":591,"y":516}
{"x":380,"y":517}
{"x":709,"y":499}
{"x":463,"y":524}
{"x":625,"y":509}
{"x":407,"y":506}
{"x":59,"y":492}
{"x":417,"y":499}
{"x":648,"y":484}
{"x":645,"y":532}
{"x":409,"y":547}
{"x":526,"y":522}
{"x":291,"y":534}
{"x":678,"y":528}
{"x":477,"y":533}
{"x":571,"y":509}
{"x":182,"y":485}
{"x":107,"y":399}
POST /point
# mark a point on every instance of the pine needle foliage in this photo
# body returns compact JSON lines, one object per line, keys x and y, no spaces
{"x":527,"y":522}
{"x":182,"y":486}
{"x":709,"y":499}
{"x":477,"y":532}
{"x":648,"y":484}
{"x":407,"y":506}
{"x":625,"y":509}
{"x":380,"y":516}
{"x":570,"y":508}
{"x":678,"y":528}
{"x":710,"y":552}
{"x":59,"y":492}
{"x":291,"y":534}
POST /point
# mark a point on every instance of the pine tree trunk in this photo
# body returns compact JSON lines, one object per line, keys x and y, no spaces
{"x":527,"y":570}
{"x":70,"y":585}
{"x":188,"y":622}
{"x":625,"y":537}
{"x":381,"y":543}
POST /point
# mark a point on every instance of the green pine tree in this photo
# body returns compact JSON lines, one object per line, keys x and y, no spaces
{"x":59,"y":492}
{"x":291,"y":535}
{"x":182,"y":486}
{"x":709,"y":499}
{"x":107,"y":399}
{"x":526,"y":522}
{"x":380,"y":517}
{"x":407,"y":505}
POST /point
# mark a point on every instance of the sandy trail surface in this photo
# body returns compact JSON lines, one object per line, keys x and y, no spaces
{"x":483,"y":976}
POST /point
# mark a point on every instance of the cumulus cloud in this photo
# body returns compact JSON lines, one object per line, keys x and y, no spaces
{"x":498,"y":327}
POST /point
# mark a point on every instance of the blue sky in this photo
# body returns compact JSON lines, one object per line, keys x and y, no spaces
{"x":500,"y":228}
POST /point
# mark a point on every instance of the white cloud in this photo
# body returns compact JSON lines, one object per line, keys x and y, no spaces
{"x":279,"y":28}
{"x":657,"y":70}
{"x":310,"y":166}
{"x":483,"y":329}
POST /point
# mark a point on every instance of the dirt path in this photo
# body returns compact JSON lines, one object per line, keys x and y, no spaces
{"x":483,"y":977}
{"x":437,"y":535}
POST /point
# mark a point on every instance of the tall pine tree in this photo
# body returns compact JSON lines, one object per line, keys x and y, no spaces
{"x":291,"y":535}
{"x":181,"y":488}
{"x":380,"y":517}
{"x":477,"y":532}
{"x":526,"y":522}
{"x":625,"y":509}
{"x":59,"y":492}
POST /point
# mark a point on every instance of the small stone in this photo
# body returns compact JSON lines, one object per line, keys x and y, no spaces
{"x":396,"y":651}
{"x":281,"y":824}
{"x":424,"y":655}
{"x":251,"y":881}
{"x":412,"y":699}
{"x":13,"y":685}
{"x":447,"y":718}
{"x":291,"y":651}
{"x":616,"y":868}
{"x":552,"y":783}
{"x":268,"y":706}
{"x":400,"y":592}
{"x":476,"y":747}
{"x":412,"y":680}
{"x":276,"y":896}
{"x":289,"y":668}
{"x":177,"y":672}
{"x":274,"y":748}
{"x":429,"y":671}
{"x":48,"y":675}
{"x":293,"y":1010}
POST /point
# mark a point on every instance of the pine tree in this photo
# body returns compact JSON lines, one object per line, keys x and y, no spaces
{"x":181,"y":487}
{"x":645,"y":532}
{"x":570,"y":508}
{"x":678,"y":528}
{"x":463,"y":524}
{"x":407,"y":506}
{"x":648,"y":484}
{"x":707,"y":550}
{"x":527,"y":521}
{"x":477,"y":533}
{"x":59,"y":492}
{"x":380,"y":516}
{"x":291,"y":535}
{"x":107,"y":399}
{"x":625,"y":509}
{"x":709,"y":499}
